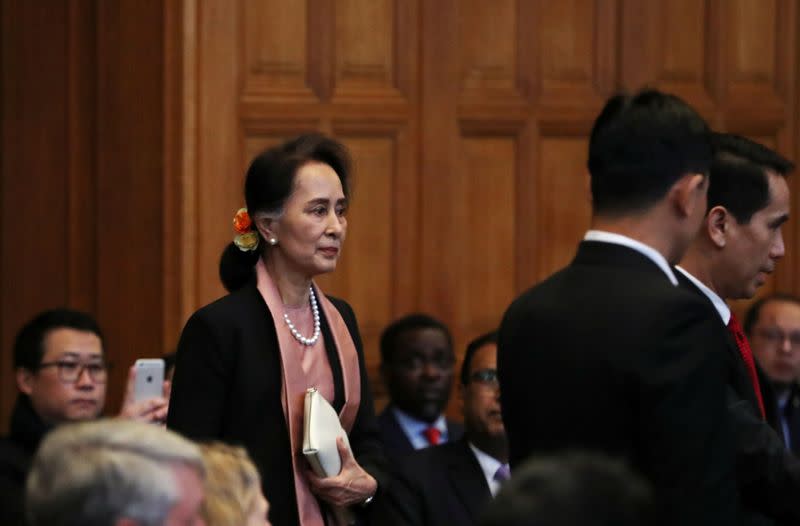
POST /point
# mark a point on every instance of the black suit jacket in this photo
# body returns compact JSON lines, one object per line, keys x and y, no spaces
{"x":607,"y":355}
{"x":768,"y":474}
{"x":792,"y":415}
{"x":227,"y":387}
{"x":396,"y":443}
{"x":436,"y":486}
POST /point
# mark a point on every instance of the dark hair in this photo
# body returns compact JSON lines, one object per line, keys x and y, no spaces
{"x":269,"y":183}
{"x":754,"y":312}
{"x":472,"y":348}
{"x":29,"y":343}
{"x":640,"y":146}
{"x":411,"y":322}
{"x":738,"y":175}
{"x":575,"y":489}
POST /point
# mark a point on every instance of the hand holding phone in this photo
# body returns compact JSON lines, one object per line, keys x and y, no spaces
{"x":145,"y":398}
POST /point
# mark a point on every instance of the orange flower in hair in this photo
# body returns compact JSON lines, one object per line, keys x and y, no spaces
{"x":246,"y":238}
{"x":242,"y":222}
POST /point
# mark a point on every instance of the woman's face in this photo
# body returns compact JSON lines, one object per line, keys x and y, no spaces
{"x":258,"y":515}
{"x":313,"y":226}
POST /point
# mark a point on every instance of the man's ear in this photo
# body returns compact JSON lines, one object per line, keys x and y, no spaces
{"x":718,"y":225}
{"x":689,"y":193}
{"x":24,"y":380}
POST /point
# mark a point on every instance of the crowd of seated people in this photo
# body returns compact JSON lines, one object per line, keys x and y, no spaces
{"x":619,"y":391}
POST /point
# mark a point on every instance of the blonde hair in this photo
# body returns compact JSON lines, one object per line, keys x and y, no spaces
{"x":232,"y":485}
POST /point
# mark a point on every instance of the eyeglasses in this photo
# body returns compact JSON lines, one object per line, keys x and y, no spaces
{"x":775,"y":336}
{"x":487,"y":377}
{"x":69,"y":372}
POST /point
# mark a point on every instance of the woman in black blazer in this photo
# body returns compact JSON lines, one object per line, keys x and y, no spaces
{"x":244,"y":361}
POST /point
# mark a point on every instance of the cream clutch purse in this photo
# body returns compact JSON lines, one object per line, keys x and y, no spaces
{"x":320,"y":431}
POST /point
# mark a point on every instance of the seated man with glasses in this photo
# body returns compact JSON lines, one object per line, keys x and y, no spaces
{"x":452,"y":483}
{"x":61,"y":374}
{"x":773,"y":327}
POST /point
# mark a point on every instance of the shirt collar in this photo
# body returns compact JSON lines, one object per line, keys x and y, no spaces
{"x":489,"y":466}
{"x":618,"y":239}
{"x":722,"y":308}
{"x":415,"y":427}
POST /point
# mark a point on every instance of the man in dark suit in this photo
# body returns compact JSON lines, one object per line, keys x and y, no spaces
{"x":773,"y":327}
{"x":609,"y":354}
{"x":417,"y":362}
{"x":738,"y":246}
{"x":451,"y":483}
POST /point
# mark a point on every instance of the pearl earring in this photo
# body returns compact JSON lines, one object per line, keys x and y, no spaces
{"x":273,"y":241}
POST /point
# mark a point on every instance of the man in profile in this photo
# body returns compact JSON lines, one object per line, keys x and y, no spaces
{"x":773,"y":328}
{"x":452,"y":483}
{"x":417,"y":361}
{"x":739,"y":244}
{"x":115,"y":473}
{"x":609,"y":355}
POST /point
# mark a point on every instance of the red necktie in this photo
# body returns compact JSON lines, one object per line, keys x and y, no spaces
{"x":747,"y":356}
{"x":433,"y":435}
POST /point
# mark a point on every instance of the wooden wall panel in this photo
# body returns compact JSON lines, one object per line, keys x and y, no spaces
{"x":669,"y":45}
{"x":564,"y":200}
{"x":468,"y":122}
{"x":484,"y":215}
{"x":34,"y":215}
{"x":275,"y":49}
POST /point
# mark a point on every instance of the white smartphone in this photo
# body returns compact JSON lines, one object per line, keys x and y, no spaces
{"x":149,"y":379}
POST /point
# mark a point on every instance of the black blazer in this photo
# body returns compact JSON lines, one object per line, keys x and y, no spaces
{"x":436,"y":486}
{"x":607,"y":355}
{"x":768,"y":474}
{"x":227,"y":387}
{"x":792,"y":415}
{"x":395,"y":442}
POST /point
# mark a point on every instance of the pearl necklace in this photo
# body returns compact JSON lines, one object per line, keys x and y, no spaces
{"x":308,"y":342}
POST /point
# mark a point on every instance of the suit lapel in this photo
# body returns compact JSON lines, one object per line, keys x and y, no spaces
{"x":467,"y":478}
{"x":393,"y":435}
{"x":740,"y":379}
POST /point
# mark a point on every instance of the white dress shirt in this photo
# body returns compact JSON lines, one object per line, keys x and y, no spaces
{"x":489,"y":466}
{"x":719,"y":303}
{"x":646,"y":250}
{"x":415,"y":429}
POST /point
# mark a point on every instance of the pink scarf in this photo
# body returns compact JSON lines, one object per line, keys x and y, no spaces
{"x":295,"y":385}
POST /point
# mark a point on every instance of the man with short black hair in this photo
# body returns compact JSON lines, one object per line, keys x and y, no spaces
{"x":451,"y":483}
{"x":739,"y":245}
{"x":417,"y":363}
{"x":609,"y":355}
{"x":61,"y":374}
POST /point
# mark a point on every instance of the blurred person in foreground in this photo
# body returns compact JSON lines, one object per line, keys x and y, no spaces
{"x":245,"y":361}
{"x":233,"y":488}
{"x":115,"y":473}
{"x":609,"y":354}
{"x":575,"y":489}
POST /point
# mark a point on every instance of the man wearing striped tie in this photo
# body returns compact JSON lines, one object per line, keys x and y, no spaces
{"x":738,"y":246}
{"x":451,"y":483}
